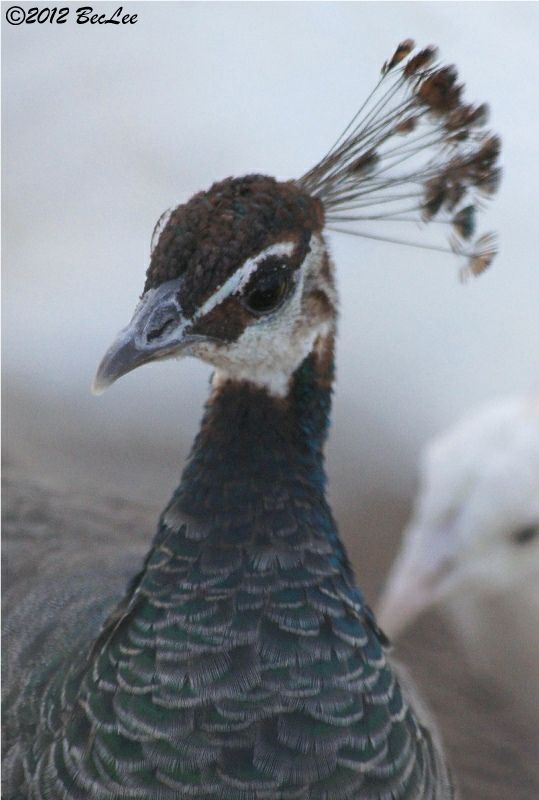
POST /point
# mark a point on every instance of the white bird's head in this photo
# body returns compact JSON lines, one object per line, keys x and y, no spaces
{"x":475,"y":527}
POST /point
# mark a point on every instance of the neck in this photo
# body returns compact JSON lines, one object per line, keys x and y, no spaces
{"x":242,"y":581}
{"x":253,"y":445}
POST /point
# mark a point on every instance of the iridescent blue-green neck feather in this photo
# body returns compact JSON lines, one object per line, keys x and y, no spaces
{"x":253,"y":435}
{"x":260,"y":458}
{"x":243,"y":663}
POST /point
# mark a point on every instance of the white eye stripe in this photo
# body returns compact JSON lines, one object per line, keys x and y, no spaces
{"x":239,"y":279}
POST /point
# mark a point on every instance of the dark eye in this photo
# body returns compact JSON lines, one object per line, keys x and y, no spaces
{"x":525,"y":535}
{"x":267,"y":291}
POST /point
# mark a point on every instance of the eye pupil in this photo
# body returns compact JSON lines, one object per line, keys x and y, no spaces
{"x":268,"y":293}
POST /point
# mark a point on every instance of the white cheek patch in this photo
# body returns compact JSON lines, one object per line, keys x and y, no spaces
{"x":239,"y":279}
{"x":270,"y":349}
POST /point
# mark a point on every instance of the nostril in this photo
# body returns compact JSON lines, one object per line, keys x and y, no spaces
{"x":159,"y":331}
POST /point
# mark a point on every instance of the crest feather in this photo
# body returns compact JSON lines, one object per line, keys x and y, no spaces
{"x":414,"y":153}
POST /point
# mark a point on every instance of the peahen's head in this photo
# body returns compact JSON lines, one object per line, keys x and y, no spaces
{"x":240,"y":275}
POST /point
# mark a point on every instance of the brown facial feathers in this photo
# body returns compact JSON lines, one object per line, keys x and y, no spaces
{"x":209,"y":237}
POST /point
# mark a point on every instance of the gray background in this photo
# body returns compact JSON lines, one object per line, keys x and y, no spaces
{"x":105,"y":127}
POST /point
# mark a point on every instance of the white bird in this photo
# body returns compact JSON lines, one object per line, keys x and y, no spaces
{"x":472,"y":545}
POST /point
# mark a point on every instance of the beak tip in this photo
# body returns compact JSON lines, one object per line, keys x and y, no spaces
{"x":101,"y":381}
{"x":98,"y":387}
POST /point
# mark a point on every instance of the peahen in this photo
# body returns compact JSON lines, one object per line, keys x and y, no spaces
{"x":242,"y":662}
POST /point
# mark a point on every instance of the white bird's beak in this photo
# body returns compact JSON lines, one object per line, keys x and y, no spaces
{"x":416,"y":582}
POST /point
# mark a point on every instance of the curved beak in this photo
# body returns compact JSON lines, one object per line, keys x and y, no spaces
{"x":156,"y":331}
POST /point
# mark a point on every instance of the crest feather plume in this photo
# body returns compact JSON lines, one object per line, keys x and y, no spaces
{"x":414,"y":153}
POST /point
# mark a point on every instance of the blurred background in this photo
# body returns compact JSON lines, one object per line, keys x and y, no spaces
{"x":105,"y":127}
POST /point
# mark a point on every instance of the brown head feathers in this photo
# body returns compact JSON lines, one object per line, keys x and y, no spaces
{"x":209,"y":237}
